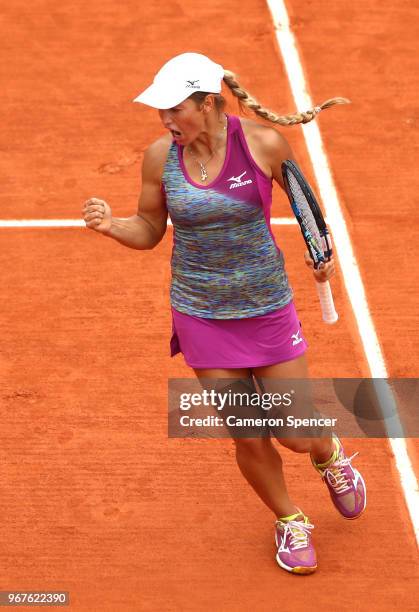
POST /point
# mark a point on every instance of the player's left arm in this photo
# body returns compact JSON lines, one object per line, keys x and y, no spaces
{"x":277,"y":150}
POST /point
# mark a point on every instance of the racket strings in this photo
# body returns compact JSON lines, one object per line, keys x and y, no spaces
{"x":306,"y":215}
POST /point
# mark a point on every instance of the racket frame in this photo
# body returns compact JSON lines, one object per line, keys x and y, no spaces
{"x":319,"y":257}
{"x":316,"y":255}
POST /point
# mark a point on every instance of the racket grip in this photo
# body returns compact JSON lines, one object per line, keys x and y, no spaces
{"x":326,"y":302}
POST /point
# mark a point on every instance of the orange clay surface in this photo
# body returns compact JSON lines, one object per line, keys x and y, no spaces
{"x":96,"y":500}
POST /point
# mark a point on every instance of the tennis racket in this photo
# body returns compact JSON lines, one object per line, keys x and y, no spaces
{"x":313,"y":229}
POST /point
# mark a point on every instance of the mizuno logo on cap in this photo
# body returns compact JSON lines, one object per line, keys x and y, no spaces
{"x":193,"y":84}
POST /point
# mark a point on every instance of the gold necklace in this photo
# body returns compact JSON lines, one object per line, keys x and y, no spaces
{"x":204,"y":173}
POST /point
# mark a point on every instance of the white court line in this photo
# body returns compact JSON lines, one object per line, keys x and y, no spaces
{"x":347,"y":261}
{"x":81,"y":223}
{"x":42,"y":223}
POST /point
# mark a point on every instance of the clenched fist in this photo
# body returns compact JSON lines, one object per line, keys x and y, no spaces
{"x":324,"y":271}
{"x":97,"y":215}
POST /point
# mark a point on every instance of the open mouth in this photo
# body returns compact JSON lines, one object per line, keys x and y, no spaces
{"x":176,"y":133}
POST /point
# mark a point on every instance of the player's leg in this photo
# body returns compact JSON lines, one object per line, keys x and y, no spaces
{"x":272,"y":379}
{"x":345,"y":484}
{"x":261,"y":465}
{"x":257,"y":458}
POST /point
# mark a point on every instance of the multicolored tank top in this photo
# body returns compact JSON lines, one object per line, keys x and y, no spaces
{"x":225,"y":261}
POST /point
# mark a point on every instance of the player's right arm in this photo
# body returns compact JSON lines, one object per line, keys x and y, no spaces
{"x":145,"y":229}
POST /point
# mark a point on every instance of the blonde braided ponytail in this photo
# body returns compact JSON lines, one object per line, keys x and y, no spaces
{"x":245,"y":98}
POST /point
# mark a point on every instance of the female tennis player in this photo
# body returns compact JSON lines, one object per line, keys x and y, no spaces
{"x":233,"y":313}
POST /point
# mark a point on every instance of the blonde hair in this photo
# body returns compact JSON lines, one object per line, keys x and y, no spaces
{"x":246,"y":99}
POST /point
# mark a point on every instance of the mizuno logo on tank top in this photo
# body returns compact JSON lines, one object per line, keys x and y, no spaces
{"x":225,"y":262}
{"x":238,"y":182}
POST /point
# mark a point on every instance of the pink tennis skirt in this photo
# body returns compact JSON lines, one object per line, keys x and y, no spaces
{"x":238,"y":343}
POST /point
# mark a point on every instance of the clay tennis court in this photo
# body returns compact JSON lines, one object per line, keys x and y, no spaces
{"x":96,"y":500}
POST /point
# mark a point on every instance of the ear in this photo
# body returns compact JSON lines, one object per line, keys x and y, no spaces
{"x":208,"y":104}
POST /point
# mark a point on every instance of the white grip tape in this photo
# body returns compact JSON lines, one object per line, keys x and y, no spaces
{"x":326,"y":302}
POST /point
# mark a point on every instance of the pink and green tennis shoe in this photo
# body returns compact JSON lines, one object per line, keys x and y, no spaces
{"x":296,"y":552}
{"x":345,"y":484}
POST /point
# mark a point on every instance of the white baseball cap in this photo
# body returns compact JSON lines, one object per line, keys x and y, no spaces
{"x":179,"y":78}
